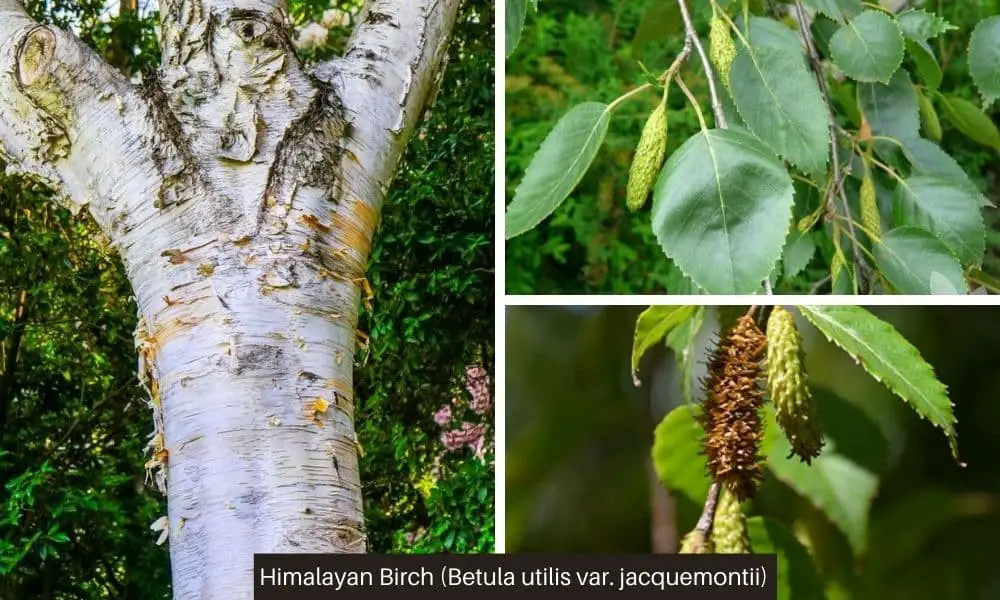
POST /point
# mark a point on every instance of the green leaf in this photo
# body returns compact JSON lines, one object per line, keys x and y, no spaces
{"x":558,"y":166}
{"x":889,"y":358}
{"x":891,"y":109}
{"x":946,"y":209}
{"x":869,"y":48}
{"x":971,"y":121}
{"x":927,"y":63}
{"x":721,"y":208}
{"x":927,"y":158}
{"x":916,"y":262}
{"x":653,"y":325}
{"x":798,"y":578}
{"x":683,"y":341}
{"x":781,"y":104}
{"x":920,"y":25}
{"x":984,"y":58}
{"x":842,"y":490}
{"x":769,"y":33}
{"x":799,"y":250}
{"x":677,"y":454}
{"x":513,"y":23}
{"x":838,"y":10}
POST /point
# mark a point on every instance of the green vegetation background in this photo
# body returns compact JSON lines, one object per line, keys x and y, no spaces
{"x":578,"y":428}
{"x":572,"y":51}
{"x":74,"y":511}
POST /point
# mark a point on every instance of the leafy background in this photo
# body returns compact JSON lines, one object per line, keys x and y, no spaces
{"x":577,"y":428}
{"x":573,"y":51}
{"x":74,"y":510}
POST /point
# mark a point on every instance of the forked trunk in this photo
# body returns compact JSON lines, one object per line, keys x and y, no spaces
{"x":243,"y":193}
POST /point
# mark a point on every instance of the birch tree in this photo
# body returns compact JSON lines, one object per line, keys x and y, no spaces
{"x":242,"y":192}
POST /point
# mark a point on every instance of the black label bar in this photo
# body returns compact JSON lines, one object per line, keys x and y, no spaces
{"x":487,"y":576}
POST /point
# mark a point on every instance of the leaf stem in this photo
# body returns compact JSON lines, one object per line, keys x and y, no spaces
{"x":692,"y":37}
{"x":693,"y":101}
{"x":627,"y":95}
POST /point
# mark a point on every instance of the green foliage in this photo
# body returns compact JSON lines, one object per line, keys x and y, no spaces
{"x":653,"y":325}
{"x":722,"y":229}
{"x":797,"y":576}
{"x":74,"y":507}
{"x":842,"y":481}
{"x":562,"y":160}
{"x":889,"y":358}
{"x":867,"y":101}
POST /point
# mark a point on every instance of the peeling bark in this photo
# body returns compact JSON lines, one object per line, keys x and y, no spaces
{"x":243,"y":193}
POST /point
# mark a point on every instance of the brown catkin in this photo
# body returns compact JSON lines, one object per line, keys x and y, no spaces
{"x":788,"y":387}
{"x":729,"y":530}
{"x":648,"y":158}
{"x":869,"y":208}
{"x":695,"y":543}
{"x":723,"y":48}
{"x":730,"y":415}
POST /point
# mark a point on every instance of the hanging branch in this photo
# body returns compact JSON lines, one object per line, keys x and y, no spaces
{"x":836,"y":189}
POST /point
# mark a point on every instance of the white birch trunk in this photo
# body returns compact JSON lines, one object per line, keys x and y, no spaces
{"x":242,"y":193}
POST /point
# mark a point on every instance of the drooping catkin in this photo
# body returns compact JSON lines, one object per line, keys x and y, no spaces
{"x":729,"y":530}
{"x":869,"y":207}
{"x":648,"y":158}
{"x":723,"y":48}
{"x":788,"y":387}
{"x":730,"y":414}
{"x":695,"y":543}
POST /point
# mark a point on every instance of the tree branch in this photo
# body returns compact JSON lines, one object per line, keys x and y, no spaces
{"x":388,"y":76}
{"x":692,"y":35}
{"x":704,"y":526}
{"x":69,"y":118}
{"x":837,"y":187}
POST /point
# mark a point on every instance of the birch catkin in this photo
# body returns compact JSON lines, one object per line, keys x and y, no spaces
{"x":648,"y":158}
{"x":729,"y":531}
{"x":723,"y":48}
{"x":869,"y":208}
{"x":695,"y":543}
{"x":794,"y":406}
{"x":730,"y":415}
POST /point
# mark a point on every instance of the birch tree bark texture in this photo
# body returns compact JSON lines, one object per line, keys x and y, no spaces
{"x":242,"y":192}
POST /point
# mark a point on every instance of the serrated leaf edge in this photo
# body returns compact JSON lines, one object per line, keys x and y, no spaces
{"x":902,"y":54}
{"x":807,"y":312}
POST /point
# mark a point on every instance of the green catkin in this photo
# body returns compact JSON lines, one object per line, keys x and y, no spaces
{"x":695,"y":543}
{"x":729,"y":530}
{"x":723,"y":48}
{"x":648,"y":158}
{"x":787,"y":385}
{"x":869,"y":207}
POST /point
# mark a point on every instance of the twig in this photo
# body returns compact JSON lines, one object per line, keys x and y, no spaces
{"x":692,"y":36}
{"x":837,"y":189}
{"x":816,"y":286}
{"x":704,"y":526}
